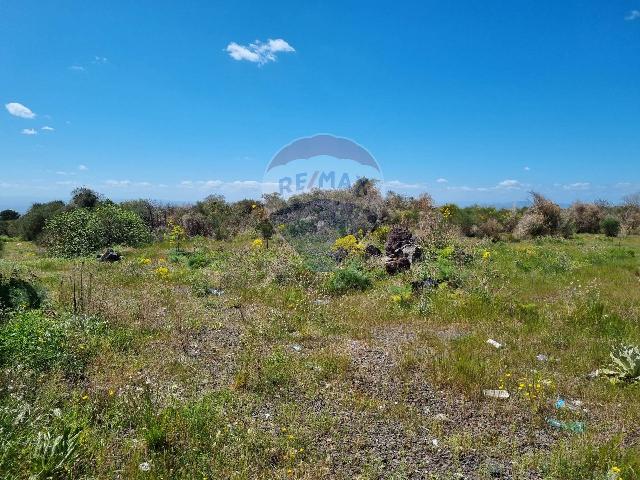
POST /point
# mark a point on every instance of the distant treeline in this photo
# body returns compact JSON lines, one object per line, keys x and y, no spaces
{"x":106,"y":222}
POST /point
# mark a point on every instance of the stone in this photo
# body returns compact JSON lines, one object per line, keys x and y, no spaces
{"x":110,"y":256}
{"x":372,"y":251}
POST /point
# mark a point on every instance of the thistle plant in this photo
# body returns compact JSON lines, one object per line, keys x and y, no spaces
{"x":624,"y":366}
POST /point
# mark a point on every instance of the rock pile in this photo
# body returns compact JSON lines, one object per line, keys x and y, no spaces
{"x":401,"y":250}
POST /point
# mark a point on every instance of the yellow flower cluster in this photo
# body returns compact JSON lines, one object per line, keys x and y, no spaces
{"x":486,"y":255}
{"x":349,"y":243}
{"x":144,"y":261}
{"x":162,"y":272}
{"x":257,"y":244}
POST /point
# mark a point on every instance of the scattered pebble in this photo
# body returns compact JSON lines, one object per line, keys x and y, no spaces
{"x":296,"y":347}
{"x":144,"y":467}
{"x":493,"y":343}
{"x":542,"y":358}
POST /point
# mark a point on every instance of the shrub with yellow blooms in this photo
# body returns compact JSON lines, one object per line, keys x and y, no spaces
{"x":350,"y":244}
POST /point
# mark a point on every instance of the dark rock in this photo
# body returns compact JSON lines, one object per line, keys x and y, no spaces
{"x":110,"y":256}
{"x":397,"y":265}
{"x":427,"y":283}
{"x":401,"y":250}
{"x":372,"y":251}
{"x":339,"y":255}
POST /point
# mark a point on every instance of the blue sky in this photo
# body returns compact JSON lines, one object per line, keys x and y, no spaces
{"x":470,"y":101}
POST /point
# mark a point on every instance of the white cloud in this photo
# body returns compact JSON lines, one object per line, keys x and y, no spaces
{"x":47,"y":128}
{"x":633,"y":15}
{"x":100,"y":60}
{"x":526,"y":169}
{"x":83,"y":168}
{"x":442,"y":180}
{"x":77,"y":68}
{"x":18,"y":110}
{"x":29,"y":131}
{"x":127,"y":183}
{"x":577,"y":186}
{"x":401,"y":185}
{"x":510,"y":184}
{"x":259,"y":52}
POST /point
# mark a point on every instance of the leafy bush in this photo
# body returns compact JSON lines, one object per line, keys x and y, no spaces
{"x":198,"y":260}
{"x":16,"y":292}
{"x":82,"y":231}
{"x":348,"y":278}
{"x":32,"y":223}
{"x":611,"y":227}
{"x":625,"y":365}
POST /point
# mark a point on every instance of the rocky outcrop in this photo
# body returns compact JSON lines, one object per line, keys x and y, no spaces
{"x":401,"y":250}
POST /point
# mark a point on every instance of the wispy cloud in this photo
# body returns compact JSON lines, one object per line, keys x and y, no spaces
{"x":442,"y":180}
{"x":97,"y":60}
{"x":397,"y":184}
{"x":259,"y":52}
{"x":18,"y":110}
{"x":126,"y":183}
{"x":577,"y":186}
{"x":527,"y":169}
{"x":83,"y":168}
{"x":510,"y":185}
{"x":633,"y":15}
{"x":29,"y":131}
{"x":234,"y":185}
{"x":47,"y":128}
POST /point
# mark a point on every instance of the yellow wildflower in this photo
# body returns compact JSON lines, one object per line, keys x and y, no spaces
{"x":257,"y":244}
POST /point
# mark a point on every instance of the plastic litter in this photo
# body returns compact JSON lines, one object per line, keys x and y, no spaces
{"x":575,"y":427}
{"x":493,"y":343}
{"x":215,"y":291}
{"x":296,"y":347}
{"x":502,"y":394}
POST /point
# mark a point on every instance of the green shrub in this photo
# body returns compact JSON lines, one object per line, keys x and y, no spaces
{"x":611,"y":226}
{"x":17,"y":293}
{"x":198,"y":260}
{"x":40,"y":342}
{"x":31,"y":224}
{"x":348,"y":278}
{"x":82,"y":231}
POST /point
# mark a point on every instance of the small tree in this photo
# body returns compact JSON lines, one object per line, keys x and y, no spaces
{"x":177,"y":235}
{"x":611,"y":227}
{"x":266,"y":229}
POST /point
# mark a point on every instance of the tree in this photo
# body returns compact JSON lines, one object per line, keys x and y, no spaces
{"x":266,"y":229}
{"x":30,"y":225}
{"x":83,"y":197}
{"x":8,"y":215}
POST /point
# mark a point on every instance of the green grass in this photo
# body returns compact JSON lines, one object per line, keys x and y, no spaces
{"x":297,"y":372}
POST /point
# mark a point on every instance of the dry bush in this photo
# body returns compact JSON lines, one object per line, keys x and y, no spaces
{"x":586,"y":217}
{"x":630,"y":214}
{"x":543,"y":218}
{"x":490,"y":229}
{"x":195,"y":223}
